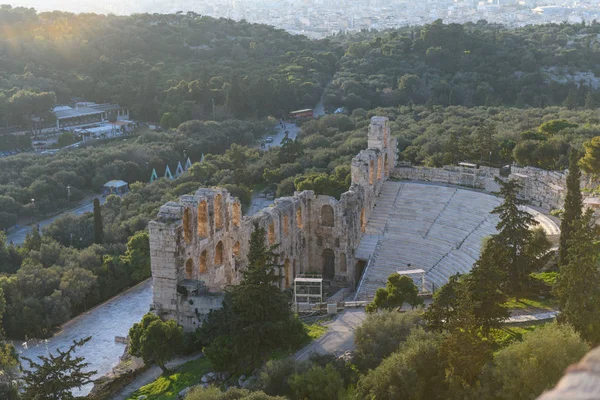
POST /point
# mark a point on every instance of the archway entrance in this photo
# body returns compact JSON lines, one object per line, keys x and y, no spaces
{"x":328,"y":257}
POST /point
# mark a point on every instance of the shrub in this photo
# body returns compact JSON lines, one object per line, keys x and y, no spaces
{"x":525,"y":369}
{"x":381,"y":334}
{"x":416,"y":371}
{"x":317,"y":384}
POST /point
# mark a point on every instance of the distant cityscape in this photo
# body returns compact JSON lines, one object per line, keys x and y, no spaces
{"x":320,"y":18}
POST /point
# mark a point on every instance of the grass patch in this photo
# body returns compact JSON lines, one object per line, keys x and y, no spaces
{"x":168,"y":386}
{"x":510,"y":334}
{"x":534,"y":302}
{"x":315,"y":331}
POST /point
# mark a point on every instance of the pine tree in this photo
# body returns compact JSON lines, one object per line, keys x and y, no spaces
{"x":578,"y":283}
{"x":154,"y":340}
{"x":573,"y":206}
{"x":98,"y":227}
{"x":483,"y":298}
{"x":399,"y":290}
{"x":514,"y":236}
{"x":256,"y":318}
{"x":590,"y":102}
{"x":56,"y":375}
{"x":33,"y":239}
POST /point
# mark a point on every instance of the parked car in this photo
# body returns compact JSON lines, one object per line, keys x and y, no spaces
{"x":269,"y":139}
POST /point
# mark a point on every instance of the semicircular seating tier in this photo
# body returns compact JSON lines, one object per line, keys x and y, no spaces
{"x":438,"y":229}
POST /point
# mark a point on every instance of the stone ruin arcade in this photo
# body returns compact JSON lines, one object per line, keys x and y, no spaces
{"x":198,"y":245}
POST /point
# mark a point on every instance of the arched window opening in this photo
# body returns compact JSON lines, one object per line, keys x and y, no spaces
{"x":219,"y":253}
{"x":286,"y":224}
{"x":327,"y":216}
{"x":189,"y":269}
{"x":380,"y":168}
{"x":271,"y":233}
{"x":299,"y":218}
{"x":218,"y":212}
{"x":371,"y":172}
{"x":203,"y":219}
{"x":236,"y":249}
{"x":328,"y":257}
{"x":237,"y":214}
{"x":294,"y":269}
{"x":288,"y":275}
{"x":203,"y":261}
{"x":363,"y":221}
{"x":187,"y":225}
{"x":386,"y":167}
{"x":343,"y":262}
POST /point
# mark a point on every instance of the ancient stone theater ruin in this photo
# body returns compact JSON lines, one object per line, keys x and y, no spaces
{"x":199,"y":244}
{"x":431,"y":220}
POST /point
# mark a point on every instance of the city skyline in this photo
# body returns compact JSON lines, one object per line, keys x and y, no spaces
{"x":321,"y":18}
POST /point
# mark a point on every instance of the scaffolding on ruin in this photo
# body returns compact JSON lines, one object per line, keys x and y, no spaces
{"x":308,"y":291}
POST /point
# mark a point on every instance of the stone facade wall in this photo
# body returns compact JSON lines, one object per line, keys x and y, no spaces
{"x":542,"y":188}
{"x":199,"y":244}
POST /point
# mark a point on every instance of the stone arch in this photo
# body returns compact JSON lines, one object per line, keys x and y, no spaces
{"x":327,"y":215}
{"x":237,"y":214}
{"x":203,"y":262}
{"x":379,"y":167}
{"x":286,"y":224}
{"x":219,"y":253}
{"x":203,"y":219}
{"x":271,"y":233}
{"x":363,"y":220}
{"x":328,"y":258}
{"x":371,"y":172}
{"x":187,"y":225}
{"x":287,"y":272}
{"x":218,"y":211}
{"x":299,"y":218}
{"x":236,"y":249}
{"x":189,"y":269}
{"x":386,"y":167}
{"x":343,"y":267}
{"x":294,"y":269}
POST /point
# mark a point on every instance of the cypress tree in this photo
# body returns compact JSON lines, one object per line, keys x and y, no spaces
{"x":573,"y":206}
{"x":98,"y":228}
{"x":578,"y":283}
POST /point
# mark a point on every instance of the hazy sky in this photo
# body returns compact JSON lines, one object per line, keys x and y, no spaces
{"x":105,"y":6}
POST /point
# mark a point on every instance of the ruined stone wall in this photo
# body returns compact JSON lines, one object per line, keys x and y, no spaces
{"x":542,"y":188}
{"x":199,"y":244}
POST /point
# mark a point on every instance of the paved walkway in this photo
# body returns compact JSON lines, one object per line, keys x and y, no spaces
{"x":517,"y":319}
{"x":340,"y":333}
{"x":150,"y":375}
{"x":339,"y":337}
{"x":86,"y":205}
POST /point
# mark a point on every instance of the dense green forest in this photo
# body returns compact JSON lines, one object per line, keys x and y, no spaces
{"x":474,"y":92}
{"x":473,"y":64}
{"x":155,"y":64}
{"x":68,"y":243}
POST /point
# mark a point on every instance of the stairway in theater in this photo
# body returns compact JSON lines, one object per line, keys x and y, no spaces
{"x":422,"y":226}
{"x":376,"y":225}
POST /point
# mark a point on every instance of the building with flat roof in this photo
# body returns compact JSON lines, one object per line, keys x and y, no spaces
{"x":86,"y":113}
